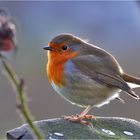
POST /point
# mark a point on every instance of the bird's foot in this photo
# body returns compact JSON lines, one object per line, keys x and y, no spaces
{"x":79,"y":118}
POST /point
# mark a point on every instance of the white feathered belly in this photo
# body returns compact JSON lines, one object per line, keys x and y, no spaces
{"x":83,"y":91}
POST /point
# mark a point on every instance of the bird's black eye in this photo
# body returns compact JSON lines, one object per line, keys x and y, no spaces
{"x":65,"y":47}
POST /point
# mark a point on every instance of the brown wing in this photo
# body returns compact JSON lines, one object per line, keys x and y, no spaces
{"x":100,"y":70}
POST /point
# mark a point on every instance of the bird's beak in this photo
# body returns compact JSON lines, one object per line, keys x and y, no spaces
{"x":47,"y":48}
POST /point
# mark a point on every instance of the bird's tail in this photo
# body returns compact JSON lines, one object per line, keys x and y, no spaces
{"x":133,"y":82}
{"x":131,"y":79}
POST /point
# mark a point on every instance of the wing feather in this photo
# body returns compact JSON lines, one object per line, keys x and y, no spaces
{"x":101,"y":70}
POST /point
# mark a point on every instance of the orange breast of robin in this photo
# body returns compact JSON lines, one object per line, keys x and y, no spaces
{"x":55,"y":66}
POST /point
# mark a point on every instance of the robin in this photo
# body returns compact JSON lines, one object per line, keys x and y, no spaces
{"x":85,"y":75}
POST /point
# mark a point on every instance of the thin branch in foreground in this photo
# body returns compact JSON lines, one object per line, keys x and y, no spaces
{"x":18,"y":85}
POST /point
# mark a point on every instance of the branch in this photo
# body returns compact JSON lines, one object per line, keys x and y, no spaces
{"x":18,"y":85}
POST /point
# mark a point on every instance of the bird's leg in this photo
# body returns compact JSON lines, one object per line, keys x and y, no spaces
{"x":83,"y":114}
{"x":79,"y":118}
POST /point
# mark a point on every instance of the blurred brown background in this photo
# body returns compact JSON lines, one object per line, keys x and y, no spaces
{"x":114,"y":26}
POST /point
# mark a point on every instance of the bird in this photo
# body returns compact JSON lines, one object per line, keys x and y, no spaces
{"x":7,"y":33}
{"x":85,"y":75}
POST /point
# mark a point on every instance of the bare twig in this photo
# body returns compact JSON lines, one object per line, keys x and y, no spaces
{"x":18,"y":85}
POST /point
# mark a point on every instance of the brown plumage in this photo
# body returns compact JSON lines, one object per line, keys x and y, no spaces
{"x":130,"y":79}
{"x":85,"y":75}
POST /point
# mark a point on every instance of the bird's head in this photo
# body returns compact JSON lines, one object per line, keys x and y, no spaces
{"x":63,"y":48}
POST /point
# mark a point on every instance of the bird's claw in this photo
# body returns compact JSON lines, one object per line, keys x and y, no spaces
{"x":80,"y":119}
{"x":88,"y":117}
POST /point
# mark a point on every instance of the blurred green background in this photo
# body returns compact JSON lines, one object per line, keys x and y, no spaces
{"x":114,"y":26}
